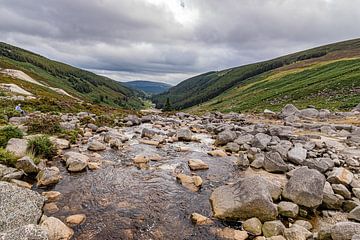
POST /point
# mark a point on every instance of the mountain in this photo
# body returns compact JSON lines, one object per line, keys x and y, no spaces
{"x":326,"y":76}
{"x":43,"y":77}
{"x":148,"y":87}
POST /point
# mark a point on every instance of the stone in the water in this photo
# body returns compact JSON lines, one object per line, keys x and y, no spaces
{"x":19,"y":206}
{"x":27,"y":165}
{"x":184,"y":134}
{"x":56,"y":229}
{"x":76,"y":219}
{"x":17,"y":146}
{"x":75,"y":161}
{"x":273,"y":162}
{"x":96,"y":146}
{"x":251,"y":197}
{"x":197,"y":164}
{"x":305,"y":187}
{"x":253,"y":226}
{"x":273,"y":228}
{"x":199,"y":219}
{"x":51,"y":196}
{"x":48,"y":176}
{"x":217,"y":153}
{"x":26,"y":232}
{"x":193,"y":183}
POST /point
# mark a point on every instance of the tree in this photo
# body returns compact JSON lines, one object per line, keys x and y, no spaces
{"x":167,"y":107}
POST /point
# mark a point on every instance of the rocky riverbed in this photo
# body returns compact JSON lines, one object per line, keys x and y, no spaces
{"x":289,"y":175}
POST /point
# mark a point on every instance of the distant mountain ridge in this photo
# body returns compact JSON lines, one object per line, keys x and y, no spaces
{"x":79,"y":83}
{"x":149,"y":87}
{"x":328,"y":74}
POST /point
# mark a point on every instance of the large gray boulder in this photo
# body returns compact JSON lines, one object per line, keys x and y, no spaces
{"x":19,"y":206}
{"x":305,"y":187}
{"x":96,"y":146}
{"x":225,"y":137}
{"x":184,"y":134}
{"x":274,"y":163}
{"x":27,"y":232}
{"x":289,"y":110}
{"x":345,"y":230}
{"x":27,"y":165}
{"x":17,"y":146}
{"x":75,"y":161}
{"x":355,"y":214}
{"x":297,"y":155}
{"x":261,"y":140}
{"x":309,"y":113}
{"x":250,"y":197}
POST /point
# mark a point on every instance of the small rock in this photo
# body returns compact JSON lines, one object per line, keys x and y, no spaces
{"x":193,"y":183}
{"x":297,"y":155}
{"x":199,"y":219}
{"x":217,"y":153}
{"x":51,"y":196}
{"x":305,"y":224}
{"x":225,"y":137}
{"x":27,"y":165}
{"x":76,"y":162}
{"x":50,"y":208}
{"x":296,"y":232}
{"x":340,"y":175}
{"x":17,"y":146}
{"x":96,"y":146}
{"x":48,"y":176}
{"x":75,"y":219}
{"x":56,"y":229}
{"x":261,"y":140}
{"x":345,"y":230}
{"x":184,"y":134}
{"x":253,"y":226}
{"x":355,"y":214}
{"x":274,"y":163}
{"x":197,"y":164}
{"x":288,"y":209}
{"x":20,"y":183}
{"x":273,"y":228}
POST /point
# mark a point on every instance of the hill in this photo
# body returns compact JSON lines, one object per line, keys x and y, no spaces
{"x":326,"y":75}
{"x":148,"y":87}
{"x":58,"y":81}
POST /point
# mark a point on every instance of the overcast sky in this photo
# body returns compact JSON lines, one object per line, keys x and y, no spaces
{"x":171,"y":40}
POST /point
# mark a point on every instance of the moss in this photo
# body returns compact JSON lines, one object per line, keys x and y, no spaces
{"x":7,"y":158}
{"x":8,"y":132}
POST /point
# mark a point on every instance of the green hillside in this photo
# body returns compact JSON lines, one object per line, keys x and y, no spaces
{"x":301,"y":75}
{"x":79,"y":83}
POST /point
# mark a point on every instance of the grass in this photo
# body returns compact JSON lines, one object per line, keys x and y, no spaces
{"x":8,"y":132}
{"x":7,"y":158}
{"x":334,"y":85}
{"x":41,"y":147}
{"x":45,"y":124}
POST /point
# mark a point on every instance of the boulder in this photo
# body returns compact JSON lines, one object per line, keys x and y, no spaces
{"x":273,"y":228}
{"x":297,"y":155}
{"x":232,"y":147}
{"x":274,"y":163}
{"x":75,"y":219}
{"x":253,"y":226}
{"x":345,"y":230}
{"x":320,"y":164}
{"x":305,"y":187}
{"x":184,"y":134}
{"x":261,"y":140}
{"x":148,"y":133}
{"x":305,"y":224}
{"x":48,"y":176}
{"x":341,"y":190}
{"x":96,"y":146}
{"x":355,"y":214}
{"x":296,"y":232}
{"x":19,"y":206}
{"x":27,"y":165}
{"x":231,"y":234}
{"x":217,"y":153}
{"x":56,"y":229}
{"x":61,"y":143}
{"x":26,"y":232}
{"x":289,"y":110}
{"x":197,"y":164}
{"x":309,"y":113}
{"x":225,"y":137}
{"x":288,"y":209}
{"x":340,"y":175}
{"x":250,"y":197}
{"x":75,"y":162}
{"x":17,"y":146}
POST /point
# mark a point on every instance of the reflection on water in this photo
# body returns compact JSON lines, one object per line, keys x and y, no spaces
{"x":123,"y":202}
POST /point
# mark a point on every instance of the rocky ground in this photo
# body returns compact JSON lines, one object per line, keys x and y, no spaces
{"x":290,"y":175}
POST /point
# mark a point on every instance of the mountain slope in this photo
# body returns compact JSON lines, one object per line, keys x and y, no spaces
{"x":148,"y":87}
{"x":76,"y":82}
{"x":205,"y":87}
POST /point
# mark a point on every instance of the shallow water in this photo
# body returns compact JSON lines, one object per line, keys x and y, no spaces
{"x":124,"y":202}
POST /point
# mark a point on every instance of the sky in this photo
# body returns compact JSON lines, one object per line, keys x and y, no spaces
{"x":172,"y":40}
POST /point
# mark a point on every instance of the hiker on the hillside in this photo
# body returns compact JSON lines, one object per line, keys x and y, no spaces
{"x":18,"y":109}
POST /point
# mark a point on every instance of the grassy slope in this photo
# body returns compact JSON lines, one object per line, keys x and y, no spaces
{"x":207,"y":86}
{"x":79,"y":83}
{"x":333,"y":84}
{"x":148,"y":87}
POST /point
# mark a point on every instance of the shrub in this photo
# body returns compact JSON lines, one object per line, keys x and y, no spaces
{"x":8,"y":132}
{"x":45,"y":124}
{"x":7,"y":158}
{"x":70,"y":135}
{"x":42,"y":147}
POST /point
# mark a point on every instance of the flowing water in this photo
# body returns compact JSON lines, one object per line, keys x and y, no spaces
{"x":121,"y":201}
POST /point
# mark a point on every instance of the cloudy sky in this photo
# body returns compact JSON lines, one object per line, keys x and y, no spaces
{"x":171,"y":40}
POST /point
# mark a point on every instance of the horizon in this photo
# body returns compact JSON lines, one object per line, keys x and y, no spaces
{"x":171,"y":41}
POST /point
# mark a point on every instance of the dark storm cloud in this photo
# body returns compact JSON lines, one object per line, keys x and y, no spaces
{"x":162,"y":40}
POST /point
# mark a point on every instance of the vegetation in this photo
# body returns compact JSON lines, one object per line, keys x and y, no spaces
{"x":8,"y":132}
{"x":79,"y":83}
{"x":70,"y":135}
{"x":205,"y":87}
{"x":7,"y":158}
{"x":334,"y":85}
{"x":41,"y":146}
{"x":167,"y":107}
{"x":44,"y":124}
{"x":148,"y":87}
